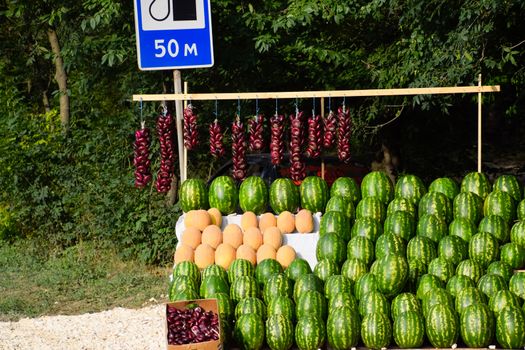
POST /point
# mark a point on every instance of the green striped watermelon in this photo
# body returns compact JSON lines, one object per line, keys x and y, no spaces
{"x":249,"y":332}
{"x":281,"y":305}
{"x":468,"y":296}
{"x":213,"y":284}
{"x":376,"y":331}
{"x":517,"y":285}
{"x":373,"y":301}
{"x":483,"y":248}
{"x":346,"y":187}
{"x":501,"y":268}
{"x":391,"y":274}
{"x":214,"y":270}
{"x":500,"y":203}
{"x":265,"y":269}
{"x":432,"y":227}
{"x":307,"y":282}
{"x":182,"y":283}
{"x":445,"y":185}
{"x":509,"y":328}
{"x":253,"y":195}
{"x":436,"y":203}
{"x":463,"y":228}
{"x":513,"y":255}
{"x":225,"y":305}
{"x":365,"y":284}
{"x":437,"y":296}
{"x":326,"y":268}
{"x":517,"y":233}
{"x":310,"y":333}
{"x":250,"y":305}
{"x":401,"y":204}
{"x":416,"y":269}
{"x":405,"y":302}
{"x":470,"y":268}
{"x":477,"y":183}
{"x":371,"y":207}
{"x":496,"y":226}
{"x":278,"y":284}
{"x":314,"y":193}
{"x":182,"y":294}
{"x":453,"y":249}
{"x":400,"y":223}
{"x":468,"y":205}
{"x":223,"y":194}
{"x":520,"y":211}
{"x":367,"y":227}
{"x":409,"y":330}
{"x":477,"y":326}
{"x":389,"y":243}
{"x":244,"y":287}
{"x":501,"y":300}
{"x":311,"y":302}
{"x":422,"y":249}
{"x":361,"y":248}
{"x":279,"y":332}
{"x":353,"y":269}
{"x":442,"y":326}
{"x":284,"y":196}
{"x":193,"y":195}
{"x":341,"y":204}
{"x":342,"y":299}
{"x":426,"y":283}
{"x":343,"y":328}
{"x":337,"y":284}
{"x":457,"y":283}
{"x":377,"y":184}
{"x":239,"y":268}
{"x":490,"y":283}
{"x":334,"y":221}
{"x":442,"y":269}
{"x":297,"y":268}
{"x":410,"y":187}
{"x":188,"y":268}
{"x":330,"y":246}
{"x":510,"y":185}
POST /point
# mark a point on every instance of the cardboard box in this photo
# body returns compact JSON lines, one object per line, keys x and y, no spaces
{"x":207,"y":305}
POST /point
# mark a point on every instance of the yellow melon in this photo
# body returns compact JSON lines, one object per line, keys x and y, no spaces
{"x":212,"y":236}
{"x":191,"y":237}
{"x":183,"y":253}
{"x":232,"y":235}
{"x":273,"y":236}
{"x":204,"y":256}
{"x":248,"y":219}
{"x":267,"y":220}
{"x":246,"y":252}
{"x":199,"y":219}
{"x":264,"y":252}
{"x":286,"y":222}
{"x":215,"y":216}
{"x":304,"y":221}
{"x":224,"y":255}
{"x":253,"y":237}
{"x":285,"y":255}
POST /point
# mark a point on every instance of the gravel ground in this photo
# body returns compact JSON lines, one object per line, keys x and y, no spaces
{"x":118,"y":328}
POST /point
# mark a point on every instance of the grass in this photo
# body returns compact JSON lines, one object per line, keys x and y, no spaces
{"x":80,"y":279}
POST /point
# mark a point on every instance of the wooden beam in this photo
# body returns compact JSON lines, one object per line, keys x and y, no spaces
{"x":311,"y":94}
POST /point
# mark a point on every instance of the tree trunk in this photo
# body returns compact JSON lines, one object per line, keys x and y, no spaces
{"x":61,"y":78}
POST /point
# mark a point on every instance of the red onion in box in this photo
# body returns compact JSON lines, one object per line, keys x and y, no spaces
{"x":141,"y":159}
{"x":330,"y":130}
{"x":297,"y":166}
{"x":255,"y":130}
{"x":239,"y":150}
{"x":216,"y":144}
{"x":343,"y":134}
{"x":277,"y":139}
{"x":191,"y":136}
{"x":165,"y":134}
{"x":315,"y":137}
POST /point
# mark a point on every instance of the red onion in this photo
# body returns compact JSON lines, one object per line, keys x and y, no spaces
{"x":216,"y":144}
{"x":255,"y":130}
{"x":343,"y":135}
{"x":330,"y":130}
{"x":277,"y":139}
{"x":165,"y":134}
{"x":191,"y":136}
{"x":141,"y":159}
{"x":239,"y":150}
{"x":315,"y":137}
{"x":297,"y":166}
{"x":191,"y":325}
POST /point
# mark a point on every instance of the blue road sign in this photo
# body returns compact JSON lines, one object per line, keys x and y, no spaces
{"x":173,"y":34}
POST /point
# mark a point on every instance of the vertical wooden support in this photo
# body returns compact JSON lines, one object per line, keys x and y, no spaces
{"x":185,"y":149}
{"x":177,"y":82}
{"x":479,"y":125}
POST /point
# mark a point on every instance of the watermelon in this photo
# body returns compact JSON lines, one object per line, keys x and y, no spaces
{"x":367,"y":227}
{"x":510,"y":185}
{"x":343,"y":328}
{"x":376,"y":331}
{"x":409,"y":330}
{"x":311,"y":302}
{"x":442,"y":326}
{"x":513,"y":255}
{"x":373,"y":301}
{"x":436,"y":203}
{"x":510,"y":324}
{"x":422,"y":249}
{"x":432,"y":227}
{"x":365,"y":284}
{"x":496,"y":226}
{"x":250,"y":305}
{"x":183,"y":294}
{"x":307,"y":282}
{"x":520,"y":211}
{"x":330,"y":246}
{"x":445,"y":185}
{"x":388,"y":244}
{"x":436,"y":296}
{"x":249,"y":332}
{"x":453,"y":249}
{"x":517,"y":233}
{"x":239,"y":268}
{"x":458,"y":283}
{"x":483,"y":248}
{"x":470,"y":268}
{"x":281,"y":305}
{"x":353,"y":269}
{"x":477,"y":183}
{"x":463,"y":228}
{"x":346,"y":187}
{"x":410,"y":187}
{"x":468,"y":205}
{"x":371,"y":207}
{"x":500,"y":203}
{"x":279,"y":332}
{"x":253,"y":195}
{"x":416,"y":269}
{"x":193,"y":195}
{"x":278,"y":284}
{"x":284,"y":196}
{"x":297,"y":268}
{"x":517,"y":285}
{"x":335,"y":221}
{"x":342,"y":299}
{"x":188,"y":268}
{"x":223,"y":194}
{"x":405,"y":302}
{"x":337,"y":284}
{"x":326,"y":268}
{"x":391,"y":274}
{"x":213,"y":284}
{"x":361,"y":248}
{"x":265,"y":269}
{"x":226,"y":331}
{"x":500,"y":268}
{"x":400,"y":223}
{"x":314,"y":193}
{"x":243,"y":287}
{"x":182,"y":283}
{"x":442,"y":269}
{"x":377,"y":184}
{"x":341,"y":204}
{"x":490,"y":283}
{"x":426,"y":283}
{"x":310,"y":333}
{"x":477,"y":326}
{"x":501,"y":300}
{"x":214,"y":270}
{"x":225,"y":305}
{"x":468,"y":296}
{"x":401,"y":204}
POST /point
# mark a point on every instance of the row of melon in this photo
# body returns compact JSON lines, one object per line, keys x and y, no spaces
{"x":204,"y":243}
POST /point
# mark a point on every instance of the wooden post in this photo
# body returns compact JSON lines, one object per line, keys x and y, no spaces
{"x":479,"y":125}
{"x":177,"y":82}
{"x":185,"y":149}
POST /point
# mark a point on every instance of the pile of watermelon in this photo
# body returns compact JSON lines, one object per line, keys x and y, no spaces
{"x":399,"y":265}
